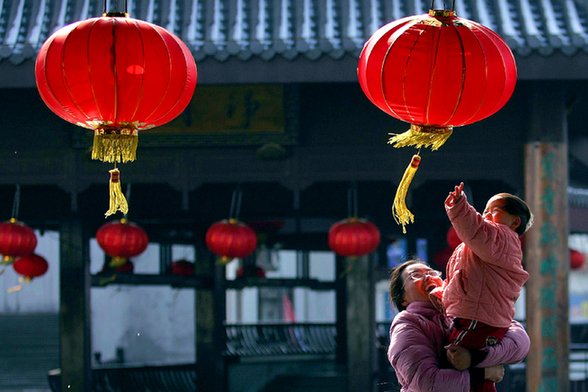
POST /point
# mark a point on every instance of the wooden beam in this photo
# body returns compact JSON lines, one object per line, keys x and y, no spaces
{"x":74,"y":311}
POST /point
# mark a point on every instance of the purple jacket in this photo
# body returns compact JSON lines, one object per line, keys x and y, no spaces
{"x":485,"y":274}
{"x":418,"y":336}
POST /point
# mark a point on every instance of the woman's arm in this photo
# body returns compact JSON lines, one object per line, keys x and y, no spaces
{"x":415,"y":360}
{"x":513,"y":347}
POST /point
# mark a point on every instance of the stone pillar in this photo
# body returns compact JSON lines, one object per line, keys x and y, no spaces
{"x":210,"y":330}
{"x":74,"y":310}
{"x":361,"y":326}
{"x":546,"y":244}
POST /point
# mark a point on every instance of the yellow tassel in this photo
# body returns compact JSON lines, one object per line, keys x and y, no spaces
{"x":7,"y":260}
{"x":117,"y":199}
{"x":400,"y":212}
{"x":22,"y":281}
{"x":117,"y":262}
{"x":115,"y":147}
{"x":224,"y":260}
{"x":421,"y":136}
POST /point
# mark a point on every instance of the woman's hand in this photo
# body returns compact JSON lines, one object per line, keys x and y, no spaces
{"x":494,"y":373}
{"x":460,"y":357}
{"x":436,"y":298}
{"x":454,"y":196}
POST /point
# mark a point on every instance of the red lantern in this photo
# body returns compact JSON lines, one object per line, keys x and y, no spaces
{"x":452,"y":238}
{"x":16,"y":239}
{"x":126,"y":268}
{"x":577,"y":259}
{"x":121,"y":240}
{"x":182,"y":268}
{"x":353,"y":237}
{"x":434,"y":71}
{"x":116,"y":76}
{"x":31,"y":266}
{"x":259,"y":272}
{"x":441,"y":257}
{"x":231,"y":239}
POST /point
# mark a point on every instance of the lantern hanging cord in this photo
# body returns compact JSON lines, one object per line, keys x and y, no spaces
{"x":16,"y":203}
{"x":236,"y":203}
{"x":352,"y":200}
{"x":444,"y":5}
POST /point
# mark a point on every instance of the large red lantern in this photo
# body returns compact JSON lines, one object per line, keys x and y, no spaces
{"x":122,"y":240}
{"x":435,"y":71}
{"x":353,"y":237}
{"x":231,"y":239}
{"x":16,"y":239}
{"x":116,"y":76}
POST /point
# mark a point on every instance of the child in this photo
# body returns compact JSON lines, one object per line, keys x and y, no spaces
{"x":485,"y":273}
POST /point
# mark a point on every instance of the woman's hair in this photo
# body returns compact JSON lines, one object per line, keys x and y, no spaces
{"x":516,"y":206}
{"x":397,"y":284}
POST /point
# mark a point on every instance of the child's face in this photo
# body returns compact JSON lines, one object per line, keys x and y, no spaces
{"x":495,"y":212}
{"x":419,"y":280}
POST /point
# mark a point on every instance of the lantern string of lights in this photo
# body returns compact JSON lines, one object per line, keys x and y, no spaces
{"x":435,"y":71}
{"x":116,"y":76}
{"x":231,"y":238}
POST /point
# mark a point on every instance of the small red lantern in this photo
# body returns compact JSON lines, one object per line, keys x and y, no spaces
{"x":577,"y":259}
{"x":452,"y":238}
{"x":116,"y":76}
{"x":231,"y":239}
{"x":30,"y":266}
{"x":259,"y":272}
{"x":353,"y":237}
{"x":182,"y":268}
{"x":441,"y":257}
{"x":16,"y":239}
{"x":122,"y":240}
{"x":126,"y":268}
{"x":435,"y":71}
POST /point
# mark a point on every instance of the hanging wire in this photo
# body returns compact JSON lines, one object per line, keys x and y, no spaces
{"x":352,"y":200}
{"x":236,"y":203}
{"x":16,"y":203}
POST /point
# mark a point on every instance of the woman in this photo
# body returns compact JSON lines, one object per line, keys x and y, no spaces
{"x":418,"y":336}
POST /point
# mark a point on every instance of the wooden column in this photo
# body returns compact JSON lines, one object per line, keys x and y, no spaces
{"x":210,"y":331}
{"x":361,"y":326}
{"x":74,"y":310}
{"x":546,"y":244}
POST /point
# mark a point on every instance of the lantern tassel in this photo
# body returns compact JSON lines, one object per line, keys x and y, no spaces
{"x":400,"y":212}
{"x":224,"y":260}
{"x":117,"y":199}
{"x":22,"y":281}
{"x":115,"y":147}
{"x":421,"y":136}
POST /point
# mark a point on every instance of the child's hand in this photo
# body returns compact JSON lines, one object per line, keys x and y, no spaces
{"x":460,"y":357}
{"x":454,"y":196}
{"x":436,"y":298}
{"x":494,"y":373}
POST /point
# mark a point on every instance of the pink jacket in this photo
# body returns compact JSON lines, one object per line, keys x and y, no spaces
{"x":417,"y":353}
{"x":485,"y":273}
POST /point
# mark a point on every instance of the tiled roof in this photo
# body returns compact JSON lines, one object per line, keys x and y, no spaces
{"x":291,"y":28}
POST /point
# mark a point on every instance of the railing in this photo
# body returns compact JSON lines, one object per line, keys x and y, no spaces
{"x":177,"y":378}
{"x":247,"y":340}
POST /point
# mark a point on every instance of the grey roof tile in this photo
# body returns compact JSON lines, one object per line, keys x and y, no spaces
{"x":289,"y":28}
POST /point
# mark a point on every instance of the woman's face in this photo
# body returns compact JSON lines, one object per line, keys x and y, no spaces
{"x":419,"y":280}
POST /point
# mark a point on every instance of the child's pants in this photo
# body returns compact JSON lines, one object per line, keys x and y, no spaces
{"x":475,"y":335}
